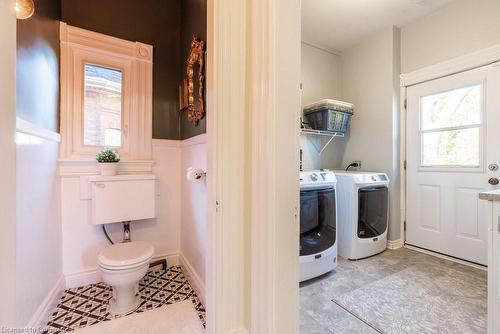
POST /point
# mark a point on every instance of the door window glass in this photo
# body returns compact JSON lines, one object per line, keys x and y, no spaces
{"x":450,"y":128}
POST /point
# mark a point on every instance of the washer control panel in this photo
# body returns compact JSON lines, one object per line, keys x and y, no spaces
{"x":315,"y":179}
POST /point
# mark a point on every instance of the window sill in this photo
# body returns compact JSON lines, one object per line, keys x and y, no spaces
{"x":80,"y":167}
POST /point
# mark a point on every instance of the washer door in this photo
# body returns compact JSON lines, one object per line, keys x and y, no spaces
{"x":308,"y":211}
{"x":323,"y":235}
{"x":373,"y":205}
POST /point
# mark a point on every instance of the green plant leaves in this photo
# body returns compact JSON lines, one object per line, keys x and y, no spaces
{"x":107,"y":156}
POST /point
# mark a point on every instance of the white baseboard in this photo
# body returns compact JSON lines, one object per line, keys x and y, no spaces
{"x":93,"y":275}
{"x":43,"y":313}
{"x":195,"y":280}
{"x":81,"y":278}
{"x":395,"y":244}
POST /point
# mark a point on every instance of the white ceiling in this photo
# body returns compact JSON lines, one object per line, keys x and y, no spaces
{"x":339,"y":24}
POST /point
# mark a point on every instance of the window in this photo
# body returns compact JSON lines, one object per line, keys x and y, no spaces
{"x":451,"y":128}
{"x":106,"y":100}
{"x":102,"y":106}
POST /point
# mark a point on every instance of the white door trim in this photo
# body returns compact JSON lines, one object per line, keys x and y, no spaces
{"x":253,"y":77}
{"x":227,"y":286}
{"x":274,"y":148}
{"x":402,"y":162}
{"x":455,"y":65}
{"x":8,"y":281}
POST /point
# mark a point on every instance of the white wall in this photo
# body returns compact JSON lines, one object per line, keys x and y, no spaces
{"x":8,"y":163}
{"x":461,"y":27}
{"x":194,"y":208}
{"x":83,"y":241}
{"x":369,"y":77}
{"x":38,"y":215}
{"x":320,"y":76}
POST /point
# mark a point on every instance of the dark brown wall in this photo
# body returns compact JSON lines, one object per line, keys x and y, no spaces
{"x":194,"y":21}
{"x":37,"y":68}
{"x":154,"y":22}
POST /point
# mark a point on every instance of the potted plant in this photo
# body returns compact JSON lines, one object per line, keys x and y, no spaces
{"x":108,"y":160}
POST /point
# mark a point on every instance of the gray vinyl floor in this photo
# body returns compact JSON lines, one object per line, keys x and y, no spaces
{"x":398,"y":291}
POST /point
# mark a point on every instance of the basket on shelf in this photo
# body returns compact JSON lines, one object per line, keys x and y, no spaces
{"x":329,"y":115}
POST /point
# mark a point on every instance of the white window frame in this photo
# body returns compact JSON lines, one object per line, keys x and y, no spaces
{"x":480,"y":126}
{"x":134,"y":59}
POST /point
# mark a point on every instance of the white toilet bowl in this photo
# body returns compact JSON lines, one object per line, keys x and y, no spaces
{"x":123,"y":266}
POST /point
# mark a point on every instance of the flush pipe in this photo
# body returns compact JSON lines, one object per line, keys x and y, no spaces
{"x":126,"y":233}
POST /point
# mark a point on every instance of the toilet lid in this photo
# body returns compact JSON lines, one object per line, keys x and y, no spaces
{"x":127,"y":253}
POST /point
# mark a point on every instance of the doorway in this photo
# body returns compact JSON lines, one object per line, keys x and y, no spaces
{"x":399,"y":290}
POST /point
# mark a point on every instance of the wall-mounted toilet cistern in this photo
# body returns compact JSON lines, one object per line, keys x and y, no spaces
{"x":122,"y":199}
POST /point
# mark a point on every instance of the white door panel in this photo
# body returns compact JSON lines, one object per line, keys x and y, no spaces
{"x":453,"y":135}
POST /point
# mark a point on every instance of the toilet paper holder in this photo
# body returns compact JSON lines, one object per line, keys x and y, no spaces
{"x":195,"y":174}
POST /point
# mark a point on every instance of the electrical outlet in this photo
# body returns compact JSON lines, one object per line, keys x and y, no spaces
{"x":357,"y":162}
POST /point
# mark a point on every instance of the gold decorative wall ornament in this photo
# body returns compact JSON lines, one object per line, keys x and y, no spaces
{"x":197,"y":55}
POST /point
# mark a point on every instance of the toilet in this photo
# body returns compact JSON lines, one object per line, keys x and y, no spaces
{"x":122,"y":266}
{"x":123,"y":199}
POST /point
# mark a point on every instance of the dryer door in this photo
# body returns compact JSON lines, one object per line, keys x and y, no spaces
{"x":373,"y":205}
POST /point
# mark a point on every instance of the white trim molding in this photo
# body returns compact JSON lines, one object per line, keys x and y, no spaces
{"x":79,"y":167}
{"x":402,"y":162}
{"x":456,"y":65}
{"x":253,"y":105}
{"x":134,"y":59}
{"x":174,"y":143}
{"x":395,"y":244}
{"x":196,"y":140}
{"x":227,"y":291}
{"x":33,"y":129}
{"x":324,"y":49}
{"x":75,"y":280}
{"x":43,"y":312}
{"x":194,"y":279}
{"x":274,"y":118}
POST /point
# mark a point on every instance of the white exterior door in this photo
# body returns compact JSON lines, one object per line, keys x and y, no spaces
{"x":453,"y":139}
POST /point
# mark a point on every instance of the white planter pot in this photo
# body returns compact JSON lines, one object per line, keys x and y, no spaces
{"x":109,"y":168}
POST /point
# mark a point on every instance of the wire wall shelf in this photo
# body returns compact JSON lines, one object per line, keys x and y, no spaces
{"x":320,"y":147}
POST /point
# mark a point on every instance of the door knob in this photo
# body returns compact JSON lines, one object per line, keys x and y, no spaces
{"x":493,"y":181}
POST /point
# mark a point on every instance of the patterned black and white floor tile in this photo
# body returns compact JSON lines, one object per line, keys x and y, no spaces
{"x":88,"y":305}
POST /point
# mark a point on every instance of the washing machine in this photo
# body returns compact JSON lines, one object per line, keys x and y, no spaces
{"x":318,"y":223}
{"x":363,"y":213}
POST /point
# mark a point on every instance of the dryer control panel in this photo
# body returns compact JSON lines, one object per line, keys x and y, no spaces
{"x":379,"y":177}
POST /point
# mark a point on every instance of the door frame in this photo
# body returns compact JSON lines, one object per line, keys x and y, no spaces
{"x":446,"y":68}
{"x":485,"y":57}
{"x":253,"y":81}
{"x":8,"y":166}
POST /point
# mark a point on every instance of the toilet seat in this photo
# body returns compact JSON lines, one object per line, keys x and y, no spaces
{"x":125,"y":255}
